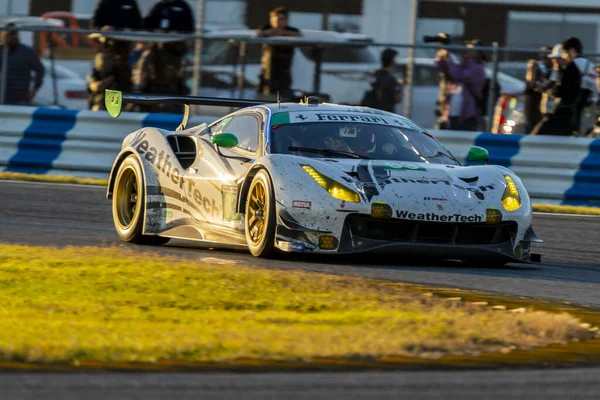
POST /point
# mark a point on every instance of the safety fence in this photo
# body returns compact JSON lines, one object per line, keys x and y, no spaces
{"x":84,"y":143}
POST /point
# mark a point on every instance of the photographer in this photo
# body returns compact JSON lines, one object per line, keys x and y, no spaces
{"x":469,"y":82}
{"x":573,"y":82}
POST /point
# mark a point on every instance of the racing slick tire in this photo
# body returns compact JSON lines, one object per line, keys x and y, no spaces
{"x":128,"y":204}
{"x":259,"y":220}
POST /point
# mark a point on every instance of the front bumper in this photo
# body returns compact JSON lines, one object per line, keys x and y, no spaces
{"x":463,"y":241}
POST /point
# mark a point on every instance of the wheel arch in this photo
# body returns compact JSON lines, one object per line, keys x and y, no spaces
{"x":115,"y":169}
{"x":244,"y":186}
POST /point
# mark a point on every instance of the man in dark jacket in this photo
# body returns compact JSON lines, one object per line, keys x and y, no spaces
{"x":159,"y":68}
{"x":22,"y":61}
{"x":117,"y":14}
{"x":111,"y":68}
{"x":276,"y":61}
{"x":386,"y":91}
{"x":170,"y":16}
{"x":572,"y":86}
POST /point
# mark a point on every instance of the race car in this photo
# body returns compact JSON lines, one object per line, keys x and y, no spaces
{"x":310,"y":177}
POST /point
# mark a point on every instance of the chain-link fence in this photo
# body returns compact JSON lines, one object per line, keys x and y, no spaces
{"x":337,"y":66}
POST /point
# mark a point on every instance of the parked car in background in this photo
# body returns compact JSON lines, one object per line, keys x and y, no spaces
{"x":71,"y":89}
{"x":343,"y":71}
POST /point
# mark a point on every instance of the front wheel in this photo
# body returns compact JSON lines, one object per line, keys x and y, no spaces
{"x":260,"y":216}
{"x":128,"y":204}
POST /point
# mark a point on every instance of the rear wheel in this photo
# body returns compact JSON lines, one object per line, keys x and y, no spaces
{"x":260,"y":216}
{"x":128,"y":204}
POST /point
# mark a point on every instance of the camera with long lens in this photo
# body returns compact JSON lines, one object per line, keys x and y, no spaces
{"x":440,"y":38}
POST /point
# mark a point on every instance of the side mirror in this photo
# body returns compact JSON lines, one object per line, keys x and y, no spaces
{"x":478,"y":154}
{"x":226,"y":140}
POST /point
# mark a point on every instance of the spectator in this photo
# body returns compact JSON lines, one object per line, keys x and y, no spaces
{"x":538,"y":76}
{"x":386,"y":91}
{"x":111,"y":68}
{"x":117,"y":14}
{"x":170,"y":16}
{"x":469,"y":80}
{"x":276,"y":68}
{"x":572,"y":87}
{"x":159,"y":67}
{"x":22,"y":62}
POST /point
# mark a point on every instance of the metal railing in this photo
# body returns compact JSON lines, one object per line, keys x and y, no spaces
{"x":244,"y":43}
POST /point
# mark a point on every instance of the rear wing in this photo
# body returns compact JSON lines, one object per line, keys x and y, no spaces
{"x":114,"y":101}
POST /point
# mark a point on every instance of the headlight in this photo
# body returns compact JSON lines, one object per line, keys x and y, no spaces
{"x":334,"y":188}
{"x":511,"y":199}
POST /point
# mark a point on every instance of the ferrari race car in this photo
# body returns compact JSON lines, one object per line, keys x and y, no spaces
{"x":312,"y":177}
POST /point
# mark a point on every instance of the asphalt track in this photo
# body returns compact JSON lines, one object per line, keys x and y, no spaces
{"x":61,"y":215}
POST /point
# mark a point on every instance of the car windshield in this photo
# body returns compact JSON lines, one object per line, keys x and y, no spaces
{"x":358,"y":140}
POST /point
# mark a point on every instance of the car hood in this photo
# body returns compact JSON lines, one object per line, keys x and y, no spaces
{"x":421,"y":187}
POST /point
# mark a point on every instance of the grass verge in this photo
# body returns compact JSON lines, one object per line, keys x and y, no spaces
{"x":89,"y":305}
{"x":15,"y":176}
{"x":558,"y":209}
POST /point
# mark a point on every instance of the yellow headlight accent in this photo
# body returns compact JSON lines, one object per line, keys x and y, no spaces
{"x":511,"y":199}
{"x":327,"y":242}
{"x":336,"y":190}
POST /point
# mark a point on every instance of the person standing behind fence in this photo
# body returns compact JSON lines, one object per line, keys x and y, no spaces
{"x":111,"y":68}
{"x":386,"y":91}
{"x":22,"y":62}
{"x":572,"y":86}
{"x":160,"y":66}
{"x":536,"y":79}
{"x":276,"y":61}
{"x":469,"y":77}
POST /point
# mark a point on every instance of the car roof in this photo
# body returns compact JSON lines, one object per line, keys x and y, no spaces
{"x":306,"y":33}
{"x":324,"y":107}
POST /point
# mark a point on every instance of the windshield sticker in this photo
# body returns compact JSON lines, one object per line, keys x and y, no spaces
{"x":298,"y":117}
{"x":280,"y":119}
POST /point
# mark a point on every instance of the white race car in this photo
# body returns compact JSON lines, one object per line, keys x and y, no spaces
{"x":318,"y":178}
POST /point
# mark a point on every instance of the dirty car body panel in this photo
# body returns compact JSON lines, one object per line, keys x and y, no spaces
{"x":345,"y":180}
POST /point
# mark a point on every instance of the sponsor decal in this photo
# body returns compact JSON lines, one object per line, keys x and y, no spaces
{"x":301,"y":117}
{"x":480,"y":195}
{"x":433,"y":217}
{"x":387,"y":181}
{"x":229,"y":202}
{"x":435,"y":199}
{"x":403,"y":166}
{"x":302,"y":204}
{"x":297,"y":246}
{"x":163,"y":164}
{"x":440,"y":207}
{"x":343,"y":204}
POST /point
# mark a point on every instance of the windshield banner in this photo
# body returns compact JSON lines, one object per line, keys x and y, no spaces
{"x":298,"y":117}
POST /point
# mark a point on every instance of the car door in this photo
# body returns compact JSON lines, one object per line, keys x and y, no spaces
{"x":215,"y":176}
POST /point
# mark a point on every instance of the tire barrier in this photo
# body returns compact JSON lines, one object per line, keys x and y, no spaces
{"x":69,"y":142}
{"x":558,"y":170}
{"x":554,"y":169}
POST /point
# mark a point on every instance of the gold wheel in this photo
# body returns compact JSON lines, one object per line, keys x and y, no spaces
{"x":127,"y":198}
{"x":257,"y":213}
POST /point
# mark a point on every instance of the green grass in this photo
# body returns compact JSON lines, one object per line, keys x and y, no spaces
{"x":17,"y":176}
{"x":108,"y":304}
{"x":558,"y":209}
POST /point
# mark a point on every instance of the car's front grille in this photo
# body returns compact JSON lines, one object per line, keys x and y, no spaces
{"x":397,"y":230}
